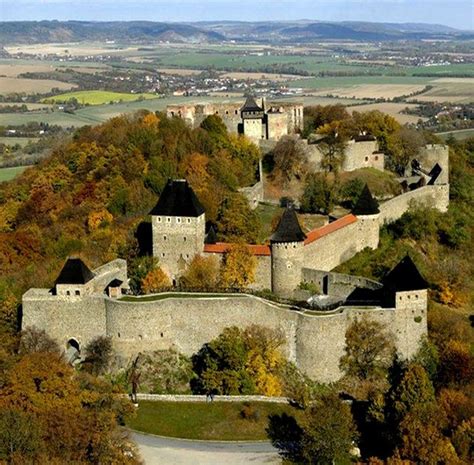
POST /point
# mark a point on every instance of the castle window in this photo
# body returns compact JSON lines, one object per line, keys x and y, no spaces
{"x":376,"y":157}
{"x":416,"y":296}
{"x":164,"y":238}
{"x":236,"y":112}
{"x":184,"y":239}
{"x":168,"y":219}
{"x":118,"y":334}
{"x":189,"y":220}
{"x":178,"y":220}
{"x":163,"y":254}
{"x":78,"y":292}
{"x":159,"y":219}
{"x":366,"y":158}
{"x":217,"y":112}
{"x":161,"y":334}
{"x":227,"y":112}
{"x":68,"y":292}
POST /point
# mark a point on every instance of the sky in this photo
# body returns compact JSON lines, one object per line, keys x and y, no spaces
{"x":455,"y":13}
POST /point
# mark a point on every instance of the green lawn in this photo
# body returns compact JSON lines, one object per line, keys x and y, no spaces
{"x":6,"y":174}
{"x":22,"y":141}
{"x":98,"y":97}
{"x":208,"y":421}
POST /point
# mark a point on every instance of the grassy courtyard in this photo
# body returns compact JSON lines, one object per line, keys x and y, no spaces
{"x":207,"y":421}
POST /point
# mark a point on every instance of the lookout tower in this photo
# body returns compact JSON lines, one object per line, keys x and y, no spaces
{"x":178,"y":227}
{"x":407,"y":291}
{"x":253,"y":119}
{"x":287,"y":244}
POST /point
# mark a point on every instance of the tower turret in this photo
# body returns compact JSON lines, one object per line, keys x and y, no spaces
{"x":367,"y":211}
{"x":407,"y":291}
{"x":287,"y":244}
{"x":178,"y":227}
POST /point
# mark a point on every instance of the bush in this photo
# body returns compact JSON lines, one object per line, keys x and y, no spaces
{"x":250,"y":412}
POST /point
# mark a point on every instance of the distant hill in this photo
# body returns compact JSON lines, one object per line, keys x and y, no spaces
{"x":34,"y":32}
{"x":218,"y":31}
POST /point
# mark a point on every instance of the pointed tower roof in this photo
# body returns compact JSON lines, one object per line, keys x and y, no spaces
{"x":251,"y":105}
{"x":178,"y":199}
{"x":211,"y":237}
{"x":74,"y":271}
{"x":288,"y":229}
{"x":405,"y":277}
{"x":366,"y":204}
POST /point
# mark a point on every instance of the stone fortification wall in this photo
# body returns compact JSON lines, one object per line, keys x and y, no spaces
{"x":277,"y":125}
{"x":337,"y":284}
{"x":363,"y":154}
{"x":254,"y":194}
{"x":314,"y":342}
{"x":64,"y":318}
{"x":339,"y":245}
{"x":432,"y":154}
{"x":436,"y":196}
{"x":116,"y":269}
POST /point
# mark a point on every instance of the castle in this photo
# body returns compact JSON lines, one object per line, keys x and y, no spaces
{"x":257,"y":121}
{"x":84,"y":304}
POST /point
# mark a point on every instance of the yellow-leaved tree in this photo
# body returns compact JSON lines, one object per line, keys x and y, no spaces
{"x":238,"y":267}
{"x":155,"y":281}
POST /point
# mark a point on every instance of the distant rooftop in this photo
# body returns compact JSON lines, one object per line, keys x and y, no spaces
{"x":178,"y":199}
{"x":74,"y":271}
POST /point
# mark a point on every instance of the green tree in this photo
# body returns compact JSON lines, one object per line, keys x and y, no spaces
{"x":369,"y":349}
{"x":236,"y":221}
{"x":328,"y":432}
{"x":98,"y":355}
{"x":332,"y":146}
{"x":320,"y":193}
{"x":238,"y":267}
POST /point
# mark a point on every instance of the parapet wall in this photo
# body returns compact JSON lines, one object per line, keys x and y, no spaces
{"x":436,"y":196}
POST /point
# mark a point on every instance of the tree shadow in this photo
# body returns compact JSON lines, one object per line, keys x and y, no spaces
{"x":286,"y":435}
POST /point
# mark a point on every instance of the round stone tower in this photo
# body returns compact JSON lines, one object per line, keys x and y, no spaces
{"x":287,"y":244}
{"x":367,"y":211}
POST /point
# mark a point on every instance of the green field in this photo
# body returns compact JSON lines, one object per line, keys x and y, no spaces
{"x":207,"y":421}
{"x":21,"y":141}
{"x":7,"y":174}
{"x":98,"y":97}
{"x":459,"y":135}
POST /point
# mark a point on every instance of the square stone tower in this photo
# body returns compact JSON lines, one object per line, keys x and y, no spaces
{"x":253,"y":119}
{"x":178,"y":227}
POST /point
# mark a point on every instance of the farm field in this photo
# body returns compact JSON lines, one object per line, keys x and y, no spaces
{"x":7,"y":174}
{"x":455,"y":90}
{"x":98,"y":97}
{"x":9,"y":85}
{"x":22,"y":141}
{"x":459,"y":135}
{"x":393,"y":109}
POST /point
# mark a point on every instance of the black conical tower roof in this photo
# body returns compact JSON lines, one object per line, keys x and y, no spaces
{"x":251,"y":105}
{"x":405,"y":277}
{"x":211,"y":237}
{"x":74,"y":271}
{"x":289,"y":229}
{"x":366,"y":204}
{"x":178,"y":199}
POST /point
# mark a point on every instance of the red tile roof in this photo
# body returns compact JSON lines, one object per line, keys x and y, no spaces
{"x":221,"y":247}
{"x":330,"y":228}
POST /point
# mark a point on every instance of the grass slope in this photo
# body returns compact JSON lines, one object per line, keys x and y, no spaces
{"x":6,"y":174}
{"x":208,"y":421}
{"x":97,"y":97}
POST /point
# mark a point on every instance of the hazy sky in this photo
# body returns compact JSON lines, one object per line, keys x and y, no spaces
{"x":456,"y":13}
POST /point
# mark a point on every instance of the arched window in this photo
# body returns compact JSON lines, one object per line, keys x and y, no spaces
{"x":74,"y":344}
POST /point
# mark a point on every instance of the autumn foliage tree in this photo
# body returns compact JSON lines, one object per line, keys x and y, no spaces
{"x":238,"y":267}
{"x":155,"y":281}
{"x":201,"y":274}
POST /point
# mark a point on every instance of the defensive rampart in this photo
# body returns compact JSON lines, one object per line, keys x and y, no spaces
{"x":315,"y":342}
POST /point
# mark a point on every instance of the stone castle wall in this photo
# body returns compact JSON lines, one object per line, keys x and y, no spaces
{"x":363,"y":154}
{"x":436,"y":196}
{"x":314,"y":342}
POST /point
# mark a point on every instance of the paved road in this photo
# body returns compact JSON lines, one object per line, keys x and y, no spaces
{"x":157,"y":450}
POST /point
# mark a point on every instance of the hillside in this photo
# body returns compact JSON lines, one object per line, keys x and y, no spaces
{"x":31,"y":32}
